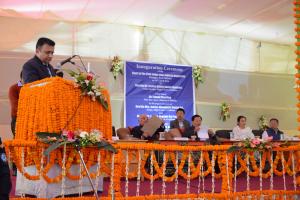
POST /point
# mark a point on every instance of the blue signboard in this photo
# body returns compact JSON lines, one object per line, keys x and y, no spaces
{"x":157,"y":89}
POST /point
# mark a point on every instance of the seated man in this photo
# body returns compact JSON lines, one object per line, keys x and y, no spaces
{"x":273,"y":130}
{"x":138,"y":133}
{"x":197,"y":129}
{"x":180,"y":123}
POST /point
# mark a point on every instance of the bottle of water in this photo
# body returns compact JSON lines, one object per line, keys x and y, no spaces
{"x":231,"y":135}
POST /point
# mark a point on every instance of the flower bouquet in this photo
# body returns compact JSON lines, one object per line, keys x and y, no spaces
{"x":87,"y":83}
{"x":77,"y":139}
{"x":197,"y":75}
{"x":225,"y":111}
{"x":262,"y":123}
{"x":116,"y":67}
{"x":256,"y":144}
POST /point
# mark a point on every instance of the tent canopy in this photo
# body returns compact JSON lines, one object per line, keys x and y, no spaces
{"x":255,"y":36}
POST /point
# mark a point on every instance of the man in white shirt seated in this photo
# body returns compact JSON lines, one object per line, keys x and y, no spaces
{"x":197,"y":129}
{"x":241,"y":132}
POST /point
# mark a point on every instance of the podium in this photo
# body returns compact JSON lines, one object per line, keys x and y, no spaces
{"x":47,"y":105}
{"x":51,"y":105}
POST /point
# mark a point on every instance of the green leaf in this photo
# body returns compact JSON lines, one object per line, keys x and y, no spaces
{"x":107,"y":146}
{"x":103,"y":103}
{"x":233,"y":149}
{"x":54,"y":146}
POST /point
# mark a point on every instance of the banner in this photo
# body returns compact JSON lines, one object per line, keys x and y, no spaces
{"x":157,"y":89}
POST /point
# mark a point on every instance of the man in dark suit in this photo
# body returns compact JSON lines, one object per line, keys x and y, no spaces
{"x":39,"y":66}
{"x":180,"y":123}
{"x":273,"y":131}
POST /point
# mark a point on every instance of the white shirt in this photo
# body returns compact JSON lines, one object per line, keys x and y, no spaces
{"x":241,"y":134}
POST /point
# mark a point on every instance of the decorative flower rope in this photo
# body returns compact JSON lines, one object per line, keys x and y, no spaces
{"x":80,"y":178}
{"x":138,"y":182}
{"x":227,"y":171}
{"x":98,"y":170}
{"x":176,"y":172}
{"x":23,"y":170}
{"x":188,"y":181}
{"x":126,"y":174}
{"x":112,"y":175}
{"x":260,"y":172}
{"x":235,"y":170}
{"x":151,"y":171}
{"x":200,"y":175}
{"x":163,"y":191}
{"x":272,"y":169}
{"x":63,"y":172}
{"x":213,"y":172}
{"x":283,"y":171}
{"x":248,"y":172}
{"x":294,"y":172}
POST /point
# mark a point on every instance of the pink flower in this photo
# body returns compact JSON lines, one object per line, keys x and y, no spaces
{"x":70,"y":136}
{"x":255,"y":141}
{"x":89,"y":77}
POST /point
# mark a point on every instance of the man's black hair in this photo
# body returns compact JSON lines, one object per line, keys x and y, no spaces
{"x":41,"y":41}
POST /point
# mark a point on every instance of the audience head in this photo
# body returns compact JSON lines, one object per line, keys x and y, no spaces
{"x":45,"y":49}
{"x":142,"y":119}
{"x":180,"y":114}
{"x":196,"y":120}
{"x":274,"y":123}
{"x":241,"y":121}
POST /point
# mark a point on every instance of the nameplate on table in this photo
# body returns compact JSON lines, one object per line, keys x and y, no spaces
{"x":181,"y":138}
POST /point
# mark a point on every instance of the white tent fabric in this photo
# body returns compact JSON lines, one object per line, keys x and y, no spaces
{"x":105,"y":40}
{"x":255,"y":36}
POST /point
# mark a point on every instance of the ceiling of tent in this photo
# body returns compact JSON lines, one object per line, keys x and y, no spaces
{"x":260,"y":20}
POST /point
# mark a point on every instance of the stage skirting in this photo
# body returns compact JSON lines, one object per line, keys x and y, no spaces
{"x":168,"y":163}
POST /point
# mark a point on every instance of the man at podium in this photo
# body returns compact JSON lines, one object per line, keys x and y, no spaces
{"x":39,"y":66}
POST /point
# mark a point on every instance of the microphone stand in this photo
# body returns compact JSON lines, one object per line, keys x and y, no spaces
{"x":78,"y":149}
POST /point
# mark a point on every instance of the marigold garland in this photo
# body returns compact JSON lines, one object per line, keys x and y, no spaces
{"x":47,"y":105}
{"x":90,"y":156}
{"x":297,"y":44}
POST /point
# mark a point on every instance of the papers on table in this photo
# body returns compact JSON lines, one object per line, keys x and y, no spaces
{"x":203,"y":132}
{"x":151,"y":125}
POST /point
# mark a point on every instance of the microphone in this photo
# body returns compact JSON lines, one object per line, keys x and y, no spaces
{"x":60,"y":64}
